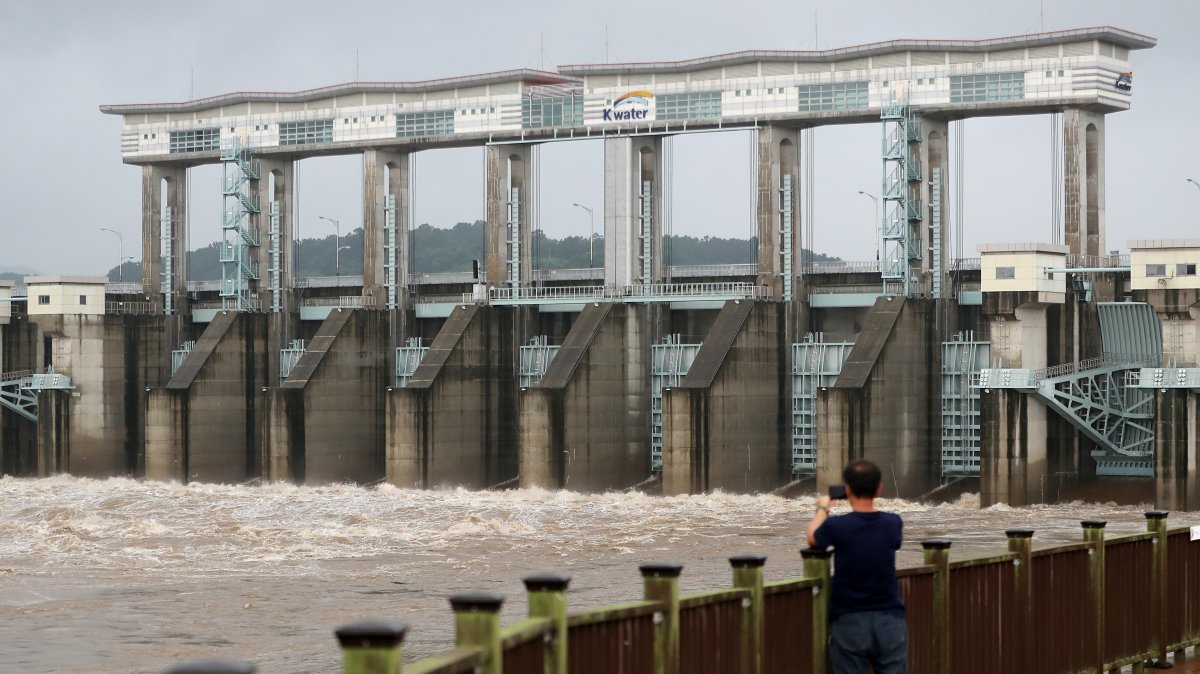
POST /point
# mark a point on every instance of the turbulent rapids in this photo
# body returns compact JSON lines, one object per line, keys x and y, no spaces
{"x":121,"y":575}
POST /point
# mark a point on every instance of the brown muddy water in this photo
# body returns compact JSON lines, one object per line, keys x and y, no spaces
{"x":126,"y":576}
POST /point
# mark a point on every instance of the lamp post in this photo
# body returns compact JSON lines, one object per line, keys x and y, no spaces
{"x":591,"y":232}
{"x":873,"y":198}
{"x":1194,"y":183}
{"x":337,"y":244}
{"x":120,"y":252}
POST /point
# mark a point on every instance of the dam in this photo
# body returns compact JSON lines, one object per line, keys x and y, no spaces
{"x":1028,"y":369}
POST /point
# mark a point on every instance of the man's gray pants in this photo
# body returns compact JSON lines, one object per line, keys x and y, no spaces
{"x":860,"y":641}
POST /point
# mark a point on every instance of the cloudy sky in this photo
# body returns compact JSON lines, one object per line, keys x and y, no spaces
{"x":61,"y":176}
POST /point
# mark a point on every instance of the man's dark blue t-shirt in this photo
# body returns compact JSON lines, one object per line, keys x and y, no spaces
{"x":864,"y":557}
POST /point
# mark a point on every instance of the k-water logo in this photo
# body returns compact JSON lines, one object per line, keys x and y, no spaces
{"x":632,"y":106}
{"x":1125,"y":81}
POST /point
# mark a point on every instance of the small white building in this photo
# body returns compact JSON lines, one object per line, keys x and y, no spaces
{"x":5,"y":302}
{"x":59,"y":295}
{"x":1021,"y":267}
{"x":1164,"y":264}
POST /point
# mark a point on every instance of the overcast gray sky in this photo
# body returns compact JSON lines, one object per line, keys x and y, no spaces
{"x":61,"y":176}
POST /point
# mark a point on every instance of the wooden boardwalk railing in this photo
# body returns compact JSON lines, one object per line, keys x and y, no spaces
{"x":1092,"y":606}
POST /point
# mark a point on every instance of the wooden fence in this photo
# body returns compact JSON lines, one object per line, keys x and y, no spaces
{"x":1092,"y":606}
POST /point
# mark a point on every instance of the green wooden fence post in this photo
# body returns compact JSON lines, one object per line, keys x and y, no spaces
{"x":477,"y":626}
{"x":816,"y":565}
{"x":548,"y":599}
{"x":937,"y":554}
{"x":1020,"y":541}
{"x":1156,"y":521}
{"x":748,"y":574}
{"x":372,"y":646}
{"x":213,"y":667}
{"x":1093,"y":532}
{"x":661,"y":584}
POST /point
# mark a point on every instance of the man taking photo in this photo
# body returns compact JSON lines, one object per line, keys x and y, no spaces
{"x":866,"y":616}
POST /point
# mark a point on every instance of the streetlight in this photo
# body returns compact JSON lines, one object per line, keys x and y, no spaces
{"x":873,"y":198}
{"x":337,"y":243}
{"x":1194,"y":183}
{"x":120,"y":251}
{"x":591,"y":232}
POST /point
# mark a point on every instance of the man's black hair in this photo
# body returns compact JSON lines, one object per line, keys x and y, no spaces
{"x":863,"y":478}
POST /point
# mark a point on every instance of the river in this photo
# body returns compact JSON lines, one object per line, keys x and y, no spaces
{"x":127,"y":576}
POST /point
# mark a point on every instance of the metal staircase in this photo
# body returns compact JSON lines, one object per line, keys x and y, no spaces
{"x":238,"y":267}
{"x":901,"y":205}
{"x":18,"y":390}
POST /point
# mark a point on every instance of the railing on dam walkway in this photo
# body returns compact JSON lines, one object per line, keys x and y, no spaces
{"x":1091,"y":606}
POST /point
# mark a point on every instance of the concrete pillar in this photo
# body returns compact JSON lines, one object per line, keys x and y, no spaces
{"x":1176,"y":441}
{"x":282,"y":175}
{"x":586,"y":426}
{"x":508,"y":167}
{"x":1083,"y":181}
{"x":723,"y":425}
{"x":378,"y":183}
{"x":153,"y":203}
{"x":455,"y":421}
{"x":882,"y":406}
{"x":1009,"y":437}
{"x":54,"y":432}
{"x":778,"y":156}
{"x":628,"y":162}
{"x":933,"y":152}
{"x":1015,"y":438}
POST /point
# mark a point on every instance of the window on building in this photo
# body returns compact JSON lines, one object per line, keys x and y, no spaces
{"x":1156,"y":270}
{"x":43,"y":299}
{"x":840,"y":96}
{"x":1005,"y":272}
{"x":989,"y":87}
{"x":82,"y":300}
{"x":306,"y":133}
{"x":546,"y":111}
{"x":1185,"y":269}
{"x":694,"y":105}
{"x":432,"y":123}
{"x":198,"y":140}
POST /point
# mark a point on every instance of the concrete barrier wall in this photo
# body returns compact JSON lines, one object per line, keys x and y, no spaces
{"x":341,"y":379}
{"x":726,"y":426}
{"x":455,"y":423}
{"x":205,"y":425}
{"x":884,"y":406}
{"x":110,"y":359}
{"x":586,"y":426}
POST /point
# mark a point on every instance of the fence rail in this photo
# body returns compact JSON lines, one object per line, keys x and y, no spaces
{"x":1091,"y":606}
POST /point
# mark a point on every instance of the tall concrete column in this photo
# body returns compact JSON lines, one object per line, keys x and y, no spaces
{"x":628,"y":163}
{"x":1176,"y":440}
{"x":1083,"y":181}
{"x":276,"y":184}
{"x":934,"y":155}
{"x":154,"y":248}
{"x":778,"y":158}
{"x":508,"y":167}
{"x":378,"y":183}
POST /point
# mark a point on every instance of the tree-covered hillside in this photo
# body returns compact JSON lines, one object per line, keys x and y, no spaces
{"x":446,"y":250}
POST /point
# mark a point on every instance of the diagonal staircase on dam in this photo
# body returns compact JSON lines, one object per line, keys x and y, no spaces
{"x":1096,"y":396}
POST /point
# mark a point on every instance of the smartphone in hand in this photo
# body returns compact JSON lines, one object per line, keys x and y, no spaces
{"x":837,"y":491}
